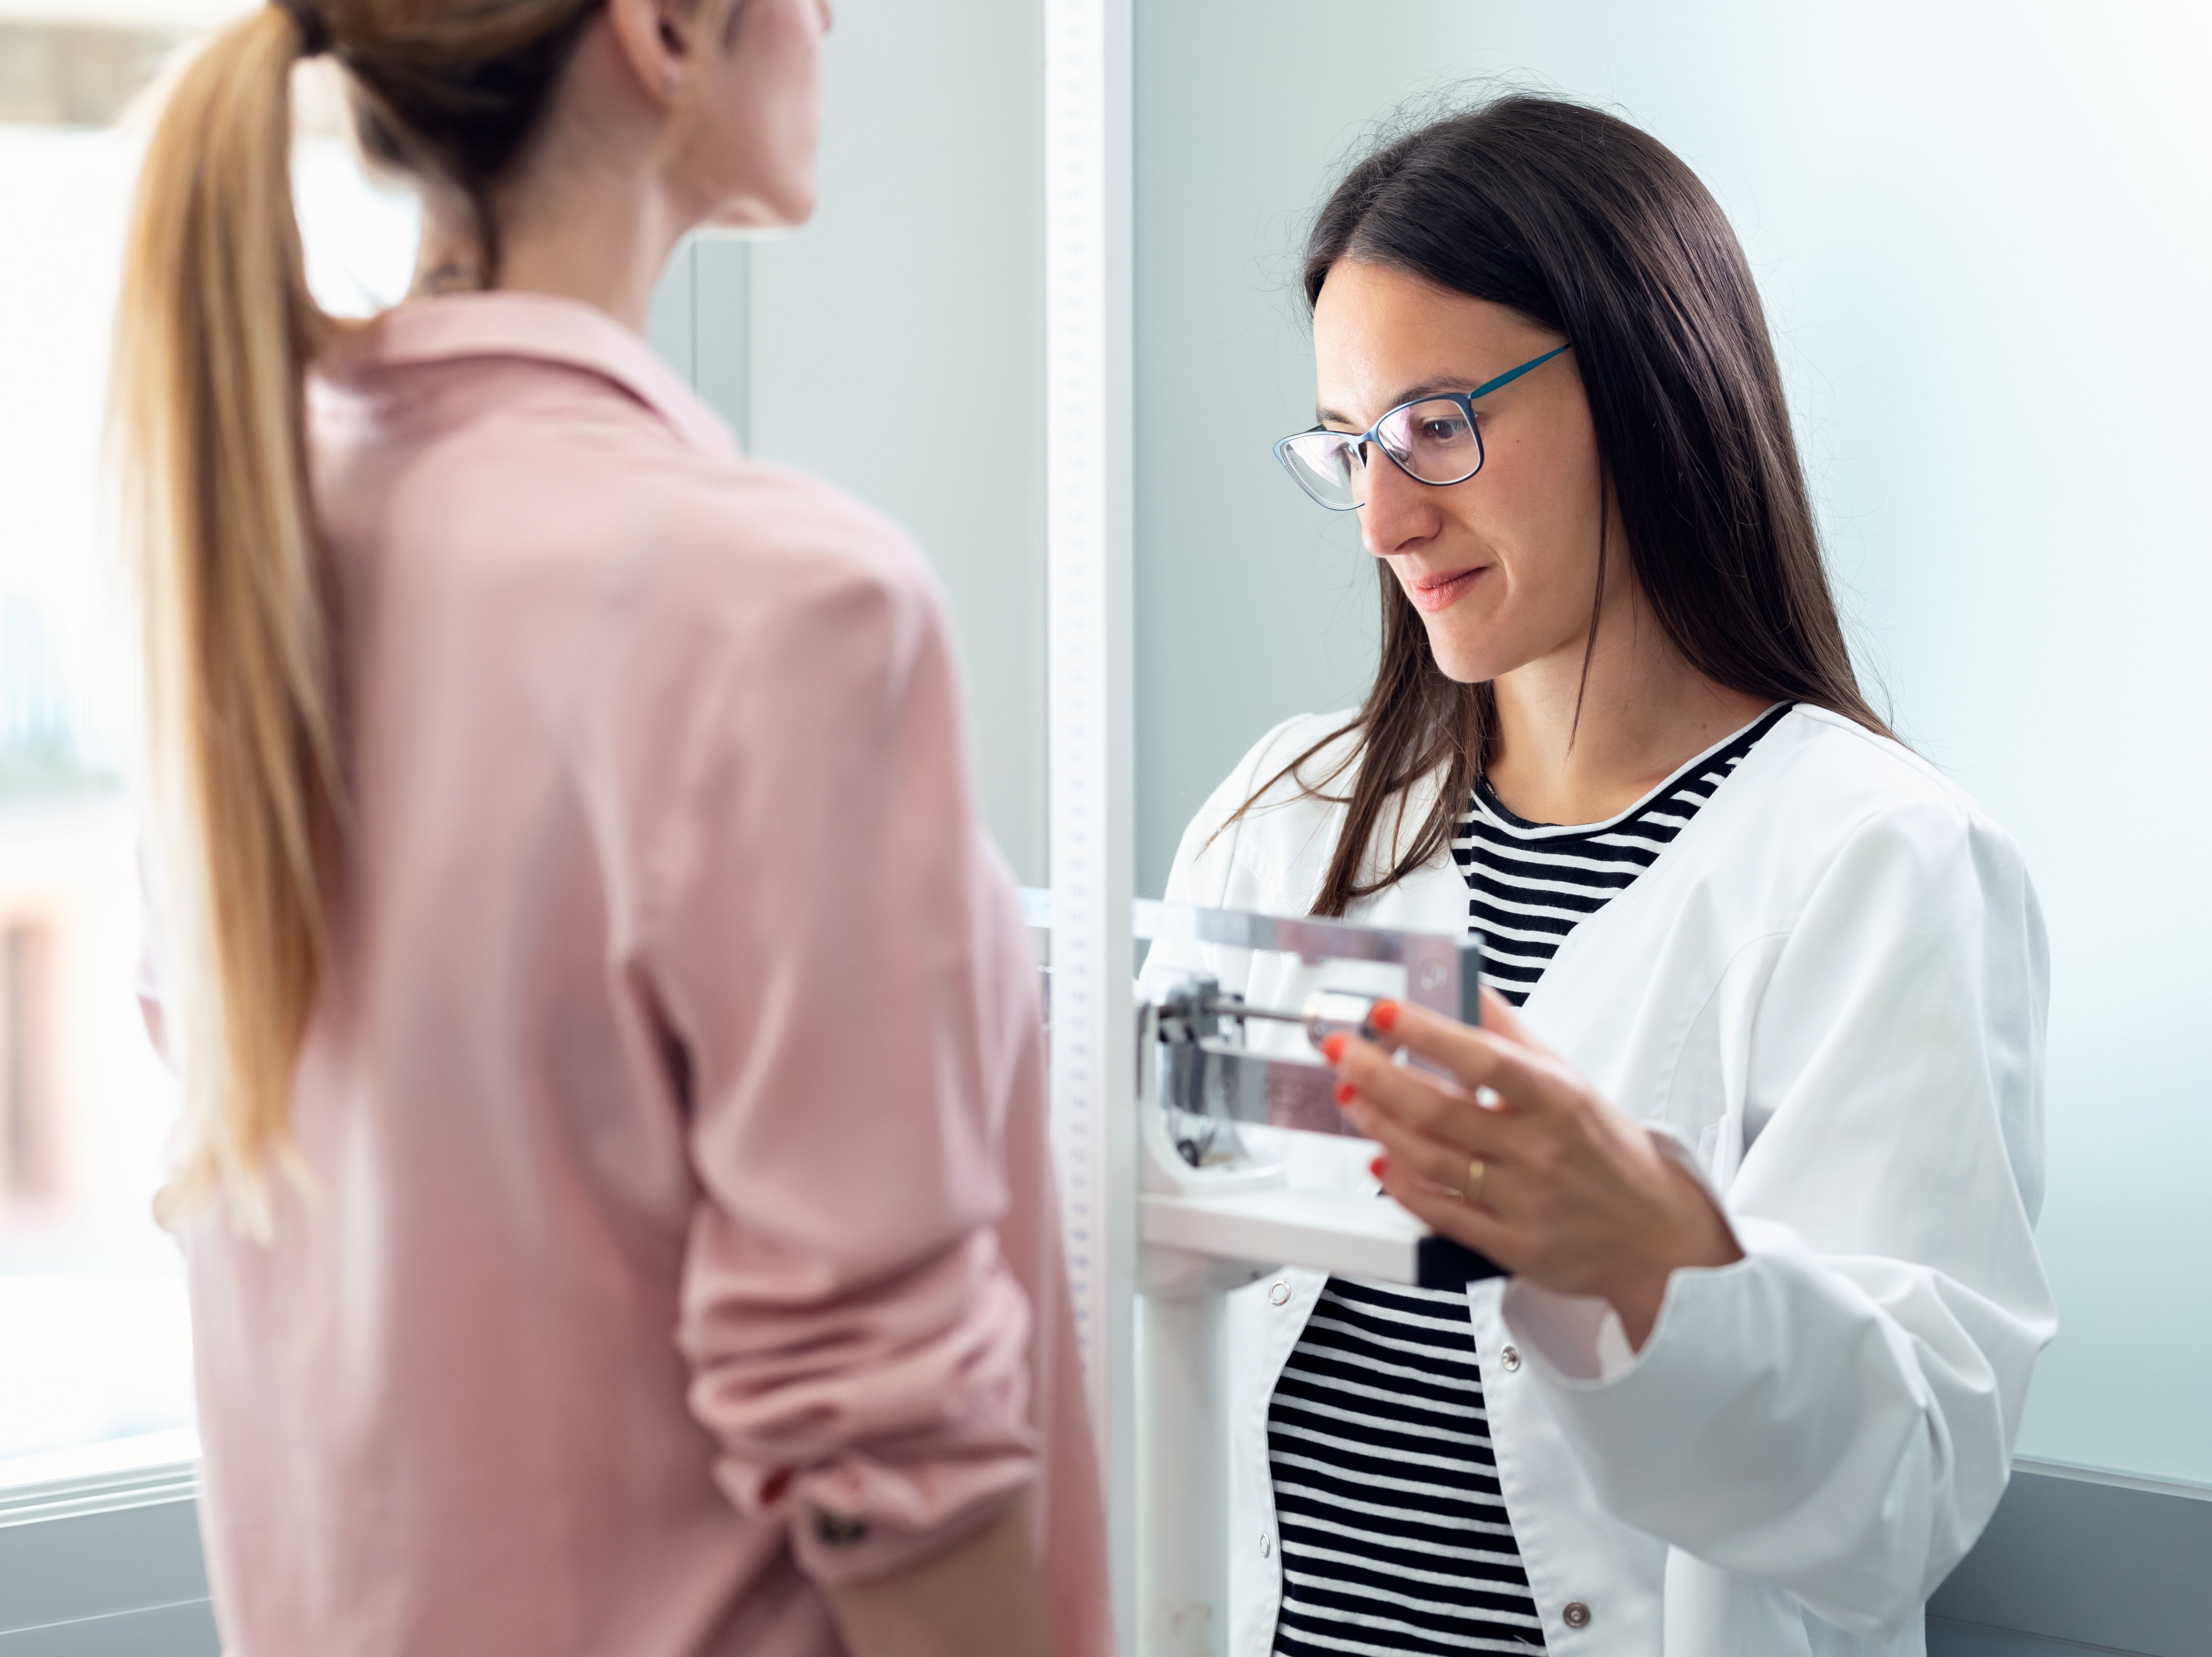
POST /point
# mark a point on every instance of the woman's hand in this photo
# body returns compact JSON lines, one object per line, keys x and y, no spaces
{"x":1525,"y":1162}
{"x":984,"y":1597}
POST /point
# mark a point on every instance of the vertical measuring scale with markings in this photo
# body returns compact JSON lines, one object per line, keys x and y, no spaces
{"x":1219,"y":1206}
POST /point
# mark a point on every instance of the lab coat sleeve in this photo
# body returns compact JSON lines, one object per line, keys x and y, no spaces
{"x":1834,"y":1414}
{"x":841,"y":968}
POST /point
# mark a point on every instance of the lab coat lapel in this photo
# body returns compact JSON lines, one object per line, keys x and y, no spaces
{"x":1433,"y":897}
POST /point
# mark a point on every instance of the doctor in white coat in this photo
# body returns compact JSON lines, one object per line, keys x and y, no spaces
{"x":1762,"y":1146}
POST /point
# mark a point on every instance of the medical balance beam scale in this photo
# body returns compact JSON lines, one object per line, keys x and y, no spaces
{"x":1218,"y":1207}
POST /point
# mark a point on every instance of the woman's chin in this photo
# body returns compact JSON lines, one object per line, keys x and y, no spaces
{"x":1463,"y":660}
{"x":785,"y":206}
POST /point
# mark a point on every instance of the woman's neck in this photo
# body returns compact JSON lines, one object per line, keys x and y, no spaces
{"x":590,"y":215}
{"x":1567,"y":752}
{"x":608,"y":253}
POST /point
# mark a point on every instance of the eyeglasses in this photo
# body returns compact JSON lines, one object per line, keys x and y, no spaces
{"x":1432,"y":439}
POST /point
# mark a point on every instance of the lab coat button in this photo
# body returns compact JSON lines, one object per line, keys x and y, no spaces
{"x":1266,"y":1544}
{"x":1576,"y":1614}
{"x":1510,"y":1357}
{"x":1279,"y":1292}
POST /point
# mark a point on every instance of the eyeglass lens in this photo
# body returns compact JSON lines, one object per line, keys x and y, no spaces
{"x":1433,"y":440}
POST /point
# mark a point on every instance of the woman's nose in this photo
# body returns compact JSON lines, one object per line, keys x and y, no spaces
{"x":1400,"y":512}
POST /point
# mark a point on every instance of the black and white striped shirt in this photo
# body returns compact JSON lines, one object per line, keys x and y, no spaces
{"x":1394,"y":1531}
{"x":1394,"y":1535}
{"x":1531,"y":883}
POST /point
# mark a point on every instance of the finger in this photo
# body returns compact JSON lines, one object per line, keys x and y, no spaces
{"x":1474,"y":1227}
{"x":1500,"y":1018}
{"x":1438,"y":1162}
{"x":1527,"y":1079}
{"x":1506,"y":1190}
{"x":1421,"y":1103}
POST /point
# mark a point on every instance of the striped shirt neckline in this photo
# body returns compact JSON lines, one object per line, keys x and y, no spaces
{"x":1529,"y":884}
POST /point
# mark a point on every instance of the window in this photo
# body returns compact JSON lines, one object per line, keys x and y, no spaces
{"x":95,"y":1342}
{"x":30,"y":1128}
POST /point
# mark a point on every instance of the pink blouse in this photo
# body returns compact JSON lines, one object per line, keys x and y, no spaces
{"x":679,"y":1235}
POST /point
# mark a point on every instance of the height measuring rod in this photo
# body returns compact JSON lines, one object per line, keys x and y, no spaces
{"x":1169,"y":1116}
{"x":1088,"y":509}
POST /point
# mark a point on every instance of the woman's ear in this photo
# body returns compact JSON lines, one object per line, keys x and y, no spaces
{"x":657,"y":39}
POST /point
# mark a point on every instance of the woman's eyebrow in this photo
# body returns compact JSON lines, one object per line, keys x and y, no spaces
{"x":1411,"y":393}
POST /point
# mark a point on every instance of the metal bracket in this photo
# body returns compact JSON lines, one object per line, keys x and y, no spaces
{"x":1202,"y":1192}
{"x":1205,"y":1072}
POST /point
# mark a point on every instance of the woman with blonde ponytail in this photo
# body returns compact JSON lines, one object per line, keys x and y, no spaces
{"x":614,"y":1177}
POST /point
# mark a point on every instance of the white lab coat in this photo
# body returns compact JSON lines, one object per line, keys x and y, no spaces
{"x":1829,"y":994}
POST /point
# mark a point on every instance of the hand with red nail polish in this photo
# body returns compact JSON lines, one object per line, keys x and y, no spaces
{"x":1333,"y":1049}
{"x":1575,"y":1196}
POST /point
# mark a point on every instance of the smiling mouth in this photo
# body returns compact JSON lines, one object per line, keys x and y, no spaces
{"x":1432,"y":593}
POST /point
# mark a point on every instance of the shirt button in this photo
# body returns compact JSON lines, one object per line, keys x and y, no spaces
{"x":1576,"y":1614}
{"x":1279,"y":1292}
{"x":1510,"y":1357}
{"x":839,"y":1531}
{"x":1266,"y":1544}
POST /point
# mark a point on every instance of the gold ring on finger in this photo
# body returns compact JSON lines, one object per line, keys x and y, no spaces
{"x":1475,"y":1169}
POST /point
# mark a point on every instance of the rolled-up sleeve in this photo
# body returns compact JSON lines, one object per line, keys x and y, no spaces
{"x":829,"y":953}
{"x":1834,"y":1414}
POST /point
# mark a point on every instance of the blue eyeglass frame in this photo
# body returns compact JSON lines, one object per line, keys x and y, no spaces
{"x":1466,"y":401}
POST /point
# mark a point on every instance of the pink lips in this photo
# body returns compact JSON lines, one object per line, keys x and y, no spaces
{"x":1435,"y":593}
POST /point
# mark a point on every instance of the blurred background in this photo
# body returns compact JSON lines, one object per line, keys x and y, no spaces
{"x":94,"y":1343}
{"x":1980,"y":231}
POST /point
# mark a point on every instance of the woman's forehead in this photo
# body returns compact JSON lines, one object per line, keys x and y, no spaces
{"x":1383,"y":337}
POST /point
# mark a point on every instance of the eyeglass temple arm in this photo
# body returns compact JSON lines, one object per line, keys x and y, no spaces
{"x":1512,"y":374}
{"x":1483,"y":389}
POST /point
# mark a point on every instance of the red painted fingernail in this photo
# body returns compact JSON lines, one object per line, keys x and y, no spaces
{"x":1378,"y":1167}
{"x":1345,"y":1093}
{"x":1333,"y":1049}
{"x":1383,"y":1015}
{"x":773,"y":1486}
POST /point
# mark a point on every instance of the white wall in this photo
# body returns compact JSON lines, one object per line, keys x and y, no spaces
{"x":897,"y":341}
{"x":1982,"y":232}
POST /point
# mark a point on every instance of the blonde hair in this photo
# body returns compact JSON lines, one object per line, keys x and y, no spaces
{"x":215,"y":328}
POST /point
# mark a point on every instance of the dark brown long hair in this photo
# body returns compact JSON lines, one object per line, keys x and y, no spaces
{"x":1597,"y":231}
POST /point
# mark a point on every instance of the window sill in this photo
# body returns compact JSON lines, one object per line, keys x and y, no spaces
{"x":106,"y":1477}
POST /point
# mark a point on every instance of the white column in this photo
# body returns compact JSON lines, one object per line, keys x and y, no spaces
{"x":1183,"y":1487}
{"x":1087,"y":408}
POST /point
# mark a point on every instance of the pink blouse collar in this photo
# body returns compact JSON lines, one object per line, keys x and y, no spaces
{"x":514,"y":324}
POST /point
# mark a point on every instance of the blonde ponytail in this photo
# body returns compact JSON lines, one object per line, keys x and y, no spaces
{"x":213,"y":334}
{"x":214,"y":330}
